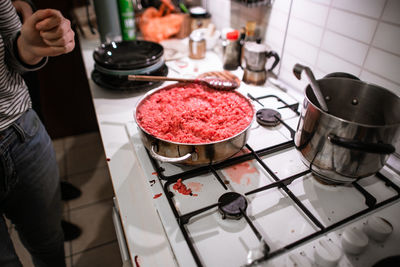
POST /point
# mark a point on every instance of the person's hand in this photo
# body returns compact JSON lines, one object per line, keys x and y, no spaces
{"x":23,"y":9}
{"x":45,"y":33}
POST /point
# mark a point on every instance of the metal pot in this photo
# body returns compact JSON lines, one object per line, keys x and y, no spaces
{"x":192,"y":154}
{"x":355,"y":138}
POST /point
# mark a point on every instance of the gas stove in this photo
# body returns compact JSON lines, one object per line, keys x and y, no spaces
{"x":264,"y":207}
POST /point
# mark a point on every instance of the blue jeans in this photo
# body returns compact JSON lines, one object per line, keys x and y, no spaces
{"x":30,"y":193}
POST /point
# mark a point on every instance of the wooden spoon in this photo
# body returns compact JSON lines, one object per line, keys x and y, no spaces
{"x":216,"y":83}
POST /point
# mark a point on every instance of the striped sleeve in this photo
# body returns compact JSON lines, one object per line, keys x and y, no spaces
{"x":10,"y":26}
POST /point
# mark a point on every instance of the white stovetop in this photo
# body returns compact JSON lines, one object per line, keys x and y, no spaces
{"x":145,"y":230}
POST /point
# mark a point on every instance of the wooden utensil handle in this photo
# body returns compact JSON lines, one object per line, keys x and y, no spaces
{"x":157,"y":78}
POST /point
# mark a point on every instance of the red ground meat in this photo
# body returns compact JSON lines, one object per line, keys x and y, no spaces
{"x":194,"y":114}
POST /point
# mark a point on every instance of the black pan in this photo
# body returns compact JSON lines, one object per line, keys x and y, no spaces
{"x":128,"y":55}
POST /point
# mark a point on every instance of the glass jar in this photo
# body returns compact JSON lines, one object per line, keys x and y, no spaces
{"x":197,"y":45}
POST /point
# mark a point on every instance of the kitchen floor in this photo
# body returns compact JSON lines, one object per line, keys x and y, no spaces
{"x":82,"y":162}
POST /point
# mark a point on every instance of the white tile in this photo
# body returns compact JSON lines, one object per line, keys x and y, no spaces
{"x":310,"y":11}
{"x":219,"y":9}
{"x":322,"y":2}
{"x":95,"y":186}
{"x":351,"y":25}
{"x":274,"y":38}
{"x":372,"y":8}
{"x":96,"y":223}
{"x":319,"y":74}
{"x":392,"y":11}
{"x":221,"y":22}
{"x":85,"y":158}
{"x":106,"y":255}
{"x":288,"y":62}
{"x":385,"y":64}
{"x":372,"y":78}
{"x":80,"y":140}
{"x":304,"y":51}
{"x":388,"y":37}
{"x":305,"y":31}
{"x":282,"y":5}
{"x":287,"y":76}
{"x":330,"y":63}
{"x":278,"y":19}
{"x":344,"y":47}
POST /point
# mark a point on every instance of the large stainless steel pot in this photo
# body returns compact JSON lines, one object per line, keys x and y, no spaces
{"x":192,"y":154}
{"x":355,"y":138}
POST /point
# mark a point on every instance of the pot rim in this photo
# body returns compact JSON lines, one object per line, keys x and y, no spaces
{"x":348,"y":121}
{"x":190,"y":144}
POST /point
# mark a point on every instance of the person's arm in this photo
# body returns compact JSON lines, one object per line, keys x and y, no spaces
{"x":9,"y":29}
{"x":45,"y":33}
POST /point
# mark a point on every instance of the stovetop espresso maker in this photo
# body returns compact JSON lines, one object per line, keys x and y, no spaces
{"x":255,"y":59}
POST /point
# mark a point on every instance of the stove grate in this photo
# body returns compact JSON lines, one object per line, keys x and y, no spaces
{"x":283,"y":184}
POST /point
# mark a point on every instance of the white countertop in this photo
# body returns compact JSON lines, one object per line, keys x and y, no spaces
{"x":143,"y":230}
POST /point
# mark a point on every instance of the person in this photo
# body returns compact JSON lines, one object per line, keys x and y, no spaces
{"x":29,"y":180}
{"x":25,"y":9}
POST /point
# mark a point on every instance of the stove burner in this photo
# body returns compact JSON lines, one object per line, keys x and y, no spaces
{"x":268,"y":117}
{"x":230,"y":205}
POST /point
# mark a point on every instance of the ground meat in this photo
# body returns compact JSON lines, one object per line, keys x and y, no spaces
{"x":194,"y":114}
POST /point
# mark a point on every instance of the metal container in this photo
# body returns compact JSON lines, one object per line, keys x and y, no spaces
{"x":197,"y":45}
{"x":192,"y":154}
{"x":256,"y":56}
{"x":355,"y":138}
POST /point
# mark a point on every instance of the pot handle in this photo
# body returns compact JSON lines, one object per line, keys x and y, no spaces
{"x":156,"y":156}
{"x":275,"y":56}
{"x":379,"y":148}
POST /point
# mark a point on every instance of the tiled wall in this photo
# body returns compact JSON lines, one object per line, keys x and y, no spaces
{"x":361,"y":37}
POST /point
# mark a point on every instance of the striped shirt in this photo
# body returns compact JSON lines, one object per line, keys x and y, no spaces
{"x":14,"y":95}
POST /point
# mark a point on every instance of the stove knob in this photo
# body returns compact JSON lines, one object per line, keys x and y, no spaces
{"x":298,"y":260}
{"x":378,"y":228}
{"x":354,"y":241}
{"x":327,"y":254}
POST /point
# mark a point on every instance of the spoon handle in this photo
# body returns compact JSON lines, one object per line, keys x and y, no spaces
{"x":157,"y":78}
{"x":297,"y":70}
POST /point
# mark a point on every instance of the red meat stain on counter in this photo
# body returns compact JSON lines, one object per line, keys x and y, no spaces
{"x":237,"y":173}
{"x":157,"y":196}
{"x":195,"y":186}
{"x":182,"y":188}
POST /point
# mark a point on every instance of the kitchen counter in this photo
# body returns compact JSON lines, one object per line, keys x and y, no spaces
{"x":144,"y":233}
{"x":150,"y":223}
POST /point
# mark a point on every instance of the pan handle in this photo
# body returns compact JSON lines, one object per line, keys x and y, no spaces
{"x":377,"y":148}
{"x":154,"y":154}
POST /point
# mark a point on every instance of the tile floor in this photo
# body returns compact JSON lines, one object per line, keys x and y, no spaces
{"x":82,"y":162}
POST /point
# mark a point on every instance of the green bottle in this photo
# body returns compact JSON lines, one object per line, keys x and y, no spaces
{"x":127,"y":18}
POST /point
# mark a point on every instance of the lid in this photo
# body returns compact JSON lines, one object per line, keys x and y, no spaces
{"x":198,"y":12}
{"x":128,"y":55}
{"x":255,"y":47}
{"x":233,"y":35}
{"x":197,"y":35}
